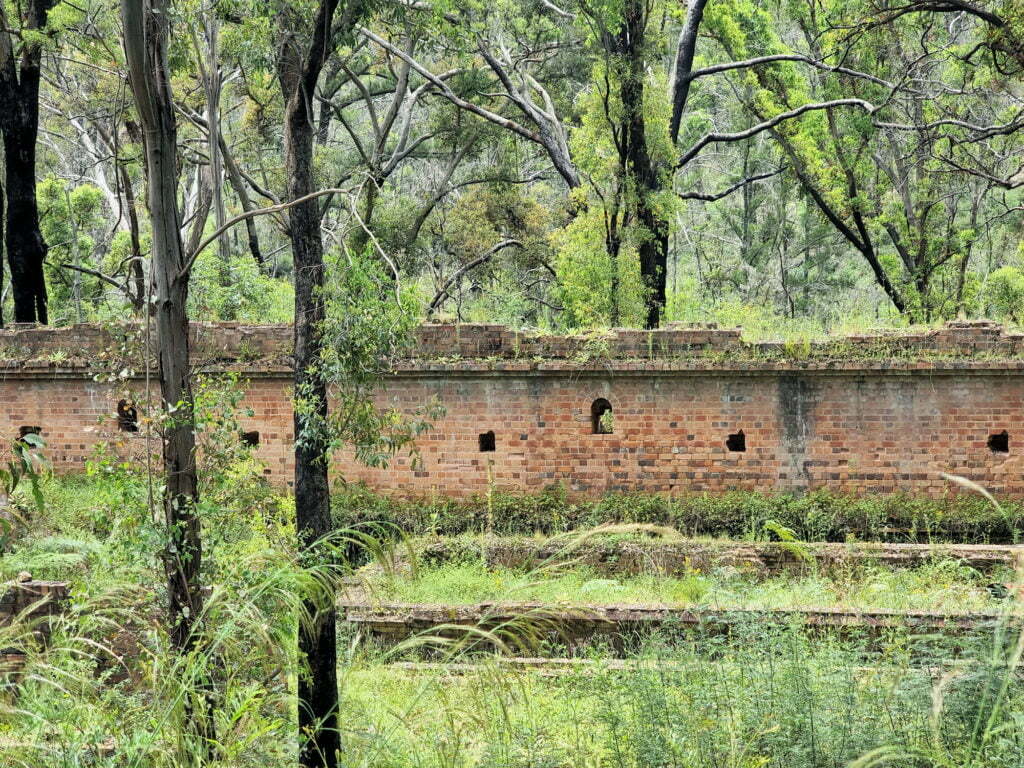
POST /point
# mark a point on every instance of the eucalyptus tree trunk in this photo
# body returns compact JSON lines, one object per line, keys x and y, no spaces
{"x":19,"y":121}
{"x":642,"y":175}
{"x":212,"y":85}
{"x":299,"y":66}
{"x":145,"y":41}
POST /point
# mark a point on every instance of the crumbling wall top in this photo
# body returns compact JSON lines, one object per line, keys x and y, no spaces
{"x":440,"y":345}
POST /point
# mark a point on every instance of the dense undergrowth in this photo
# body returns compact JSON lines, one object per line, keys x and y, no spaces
{"x":819,"y":515}
{"x":770,"y":699}
{"x":107,"y":691}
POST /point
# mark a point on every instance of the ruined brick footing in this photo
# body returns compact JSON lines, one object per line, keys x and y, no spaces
{"x":576,"y":665}
{"x":391,"y":623}
{"x":45,"y":597}
{"x":757,"y":558}
{"x":33,"y":603}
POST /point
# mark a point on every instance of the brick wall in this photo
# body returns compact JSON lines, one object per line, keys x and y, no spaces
{"x":871,"y":413}
{"x":32,"y":602}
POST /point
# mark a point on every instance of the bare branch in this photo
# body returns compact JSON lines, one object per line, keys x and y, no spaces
{"x":797,"y":57}
{"x":946,"y":6}
{"x":556,"y":10}
{"x":105,"y":278}
{"x":442,"y":293}
{"x":712,"y":138}
{"x":448,"y":93}
{"x":983,"y":131}
{"x":194,"y":253}
{"x":710,"y":198}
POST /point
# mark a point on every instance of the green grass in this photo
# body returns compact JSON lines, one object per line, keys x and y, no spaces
{"x":765,"y":698}
{"x":941,"y":585}
{"x":775,"y":700}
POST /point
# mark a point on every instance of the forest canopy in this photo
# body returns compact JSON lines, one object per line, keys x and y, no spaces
{"x":564,"y":164}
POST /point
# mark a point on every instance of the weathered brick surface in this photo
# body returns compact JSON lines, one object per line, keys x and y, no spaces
{"x":874,"y":414}
{"x":32,"y":602}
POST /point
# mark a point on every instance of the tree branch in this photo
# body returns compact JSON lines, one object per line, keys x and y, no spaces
{"x":194,"y":253}
{"x":448,"y":93}
{"x":797,"y":57}
{"x":710,"y":198}
{"x":711,"y":138}
{"x":442,"y":293}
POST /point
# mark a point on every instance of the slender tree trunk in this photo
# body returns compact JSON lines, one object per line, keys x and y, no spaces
{"x":19,"y":120}
{"x":26,"y":249}
{"x":299,"y":69}
{"x":318,"y":686}
{"x":212,"y":87}
{"x":135,"y":268}
{"x":146,"y":30}
{"x":238,"y":184}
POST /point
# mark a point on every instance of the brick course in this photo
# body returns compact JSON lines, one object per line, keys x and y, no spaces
{"x":873,"y":414}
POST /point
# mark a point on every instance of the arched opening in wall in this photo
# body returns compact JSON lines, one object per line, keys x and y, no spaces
{"x":601,"y":417}
{"x":999,"y":443}
{"x":487,"y":443}
{"x":737,"y":442}
{"x":251,"y":439}
{"x":127,"y":417}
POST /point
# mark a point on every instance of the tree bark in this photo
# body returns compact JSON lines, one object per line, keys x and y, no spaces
{"x":138,"y":277}
{"x":682,"y":77}
{"x":146,"y":30}
{"x":641,"y":171}
{"x":299,"y":69}
{"x":19,"y":121}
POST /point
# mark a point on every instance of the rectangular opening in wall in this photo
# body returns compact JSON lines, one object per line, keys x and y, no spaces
{"x":486,"y":442}
{"x":251,"y":439}
{"x":737,"y":442}
{"x":127,"y":417}
{"x":999,"y":443}
{"x":27,"y":430}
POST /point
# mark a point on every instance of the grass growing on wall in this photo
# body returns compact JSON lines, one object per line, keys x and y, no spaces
{"x":941,"y":585}
{"x":819,"y":515}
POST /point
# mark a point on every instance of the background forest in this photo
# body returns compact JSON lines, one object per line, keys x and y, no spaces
{"x":786,"y":165}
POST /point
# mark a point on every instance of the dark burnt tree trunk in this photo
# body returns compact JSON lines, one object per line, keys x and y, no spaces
{"x":146,"y":30}
{"x":138,"y":277}
{"x":299,"y":67}
{"x":19,"y":121}
{"x":641,"y":174}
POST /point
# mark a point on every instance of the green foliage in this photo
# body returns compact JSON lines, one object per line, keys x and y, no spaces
{"x":940,"y":585}
{"x":819,"y":515}
{"x":1005,"y":292}
{"x":367,"y":327}
{"x":250,"y":296}
{"x":26,"y":465}
{"x":594,"y":286}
